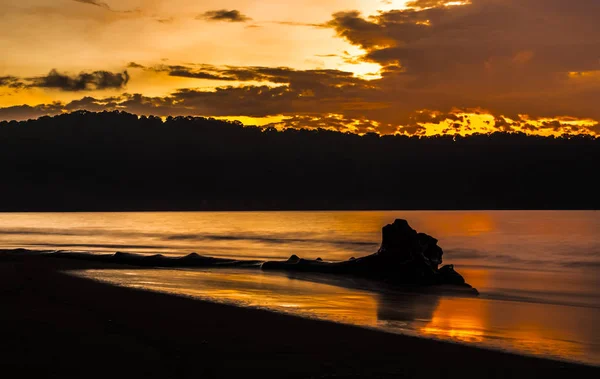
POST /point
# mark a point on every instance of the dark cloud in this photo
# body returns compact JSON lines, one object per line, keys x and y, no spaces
{"x":85,"y":81}
{"x":11,"y":82}
{"x":116,"y":14}
{"x":94,"y":2}
{"x":306,"y":79}
{"x":135,"y":65}
{"x":224,"y":15}
{"x":359,"y":31}
{"x":26,"y":112}
{"x":511,"y":56}
{"x":187,"y":72}
{"x":168,"y":20}
{"x":92,"y":104}
{"x":97,"y":80}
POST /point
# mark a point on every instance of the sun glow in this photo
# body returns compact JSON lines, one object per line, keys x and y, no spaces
{"x":351,"y":61}
{"x":465,"y":123}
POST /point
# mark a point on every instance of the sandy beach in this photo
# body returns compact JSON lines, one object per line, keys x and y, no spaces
{"x":57,"y":325}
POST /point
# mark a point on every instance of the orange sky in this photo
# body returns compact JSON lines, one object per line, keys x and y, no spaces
{"x":412,"y":67}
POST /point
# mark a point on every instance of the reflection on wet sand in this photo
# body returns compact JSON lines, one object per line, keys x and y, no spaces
{"x":458,"y":320}
{"x":539,"y":329}
{"x":548,"y":330}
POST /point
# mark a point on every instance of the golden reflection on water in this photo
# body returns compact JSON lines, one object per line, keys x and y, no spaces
{"x":530,"y":328}
{"x":537,"y":329}
{"x":501,"y":238}
{"x":254,"y":289}
{"x":465,"y":223}
{"x":458,"y":326}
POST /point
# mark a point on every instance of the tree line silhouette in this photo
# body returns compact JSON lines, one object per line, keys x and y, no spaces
{"x":114,"y":161}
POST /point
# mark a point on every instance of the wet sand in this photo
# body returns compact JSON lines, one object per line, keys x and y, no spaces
{"x":57,"y":325}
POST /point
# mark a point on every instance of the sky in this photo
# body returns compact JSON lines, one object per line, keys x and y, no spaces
{"x":414,"y":67}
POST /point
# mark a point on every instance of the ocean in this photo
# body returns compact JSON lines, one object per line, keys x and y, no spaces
{"x":537,"y":271}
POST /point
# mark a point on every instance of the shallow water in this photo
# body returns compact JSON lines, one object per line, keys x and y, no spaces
{"x":537,"y":271}
{"x":542,"y":329}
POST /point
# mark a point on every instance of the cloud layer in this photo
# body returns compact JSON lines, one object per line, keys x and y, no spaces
{"x":485,"y":65}
{"x":511,"y":56}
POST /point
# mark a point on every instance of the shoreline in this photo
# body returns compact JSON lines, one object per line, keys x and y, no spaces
{"x":58,"y":323}
{"x":318,"y":319}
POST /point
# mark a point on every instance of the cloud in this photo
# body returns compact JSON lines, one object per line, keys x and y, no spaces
{"x":326,"y":110}
{"x":135,"y":65}
{"x":26,"y":112}
{"x":224,"y":15}
{"x":510,"y":56}
{"x":524,"y":66}
{"x":11,"y":82}
{"x":85,"y":81}
{"x":305,"y":79}
{"x":116,"y":14}
{"x":188,"y":72}
{"x":95,"y":3}
{"x":167,"y":20}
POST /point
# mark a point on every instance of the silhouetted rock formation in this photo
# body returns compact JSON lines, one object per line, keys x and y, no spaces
{"x":400,"y":242}
{"x":158,"y":260}
{"x":405,"y":257}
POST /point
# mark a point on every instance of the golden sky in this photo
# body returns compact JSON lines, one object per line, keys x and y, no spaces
{"x":393,"y":66}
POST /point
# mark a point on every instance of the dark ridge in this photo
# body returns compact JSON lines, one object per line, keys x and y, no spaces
{"x":115,"y":161}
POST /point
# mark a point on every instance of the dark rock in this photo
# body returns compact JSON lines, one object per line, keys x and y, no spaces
{"x":401,"y":243}
{"x":124,"y":256}
{"x":192,"y":256}
{"x":155,"y":256}
{"x":293,"y":259}
{"x":405,"y":257}
{"x":450,"y":276}
{"x":319,"y":260}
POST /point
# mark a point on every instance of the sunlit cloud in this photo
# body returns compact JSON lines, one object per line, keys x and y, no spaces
{"x":424,"y":67}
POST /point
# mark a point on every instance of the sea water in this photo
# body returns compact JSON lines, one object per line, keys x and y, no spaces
{"x":537,"y":272}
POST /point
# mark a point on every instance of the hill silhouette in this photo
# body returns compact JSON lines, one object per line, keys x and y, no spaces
{"x":111,"y":161}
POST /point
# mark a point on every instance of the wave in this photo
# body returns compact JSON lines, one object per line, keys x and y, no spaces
{"x":268,"y":239}
{"x":490,"y":259}
{"x":570,"y":299}
{"x":584,"y":259}
{"x":582,"y":264}
{"x":76,"y":233}
{"x":274,"y":239}
{"x":101,"y":246}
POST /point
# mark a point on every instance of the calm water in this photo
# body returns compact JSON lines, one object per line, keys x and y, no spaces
{"x":537,"y":271}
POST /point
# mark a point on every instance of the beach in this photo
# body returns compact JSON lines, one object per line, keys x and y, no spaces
{"x":59,"y":325}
